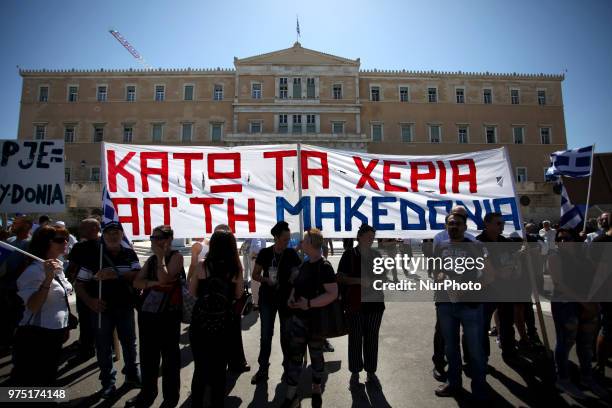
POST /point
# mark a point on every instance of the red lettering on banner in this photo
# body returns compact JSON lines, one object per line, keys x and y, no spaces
{"x":388,"y":175}
{"x":366,"y":172}
{"x":150,"y":201}
{"x":128,"y":219}
{"x":442,"y":169}
{"x":162,"y":171}
{"x":307,"y":171}
{"x":216,"y":175}
{"x":415,"y":176}
{"x":464,"y":178}
{"x":206,"y":203}
{"x":279,"y":156}
{"x":249,"y":217}
{"x":119,"y":168}
{"x":188,"y":158}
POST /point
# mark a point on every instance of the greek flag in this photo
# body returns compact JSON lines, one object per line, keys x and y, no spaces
{"x":570,"y":163}
{"x":110,"y":216}
{"x":572,"y":216}
{"x":297,"y":26}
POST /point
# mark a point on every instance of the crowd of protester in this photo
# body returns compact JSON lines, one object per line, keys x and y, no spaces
{"x":292,"y":280}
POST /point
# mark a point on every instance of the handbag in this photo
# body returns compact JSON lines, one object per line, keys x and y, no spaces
{"x":73,"y":321}
{"x":244,"y":304}
{"x":328,"y":321}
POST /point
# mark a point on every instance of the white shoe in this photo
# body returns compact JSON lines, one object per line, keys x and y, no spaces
{"x":597,"y":389}
{"x":566,"y":386}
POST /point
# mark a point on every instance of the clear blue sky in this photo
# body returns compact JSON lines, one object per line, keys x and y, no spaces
{"x":485,"y":35}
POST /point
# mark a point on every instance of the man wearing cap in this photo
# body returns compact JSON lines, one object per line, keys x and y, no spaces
{"x":115,"y":308}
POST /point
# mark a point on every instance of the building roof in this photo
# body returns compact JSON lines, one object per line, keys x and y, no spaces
{"x":295,"y":55}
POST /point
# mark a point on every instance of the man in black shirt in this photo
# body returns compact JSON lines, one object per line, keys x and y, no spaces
{"x":275,"y":268}
{"x":453,"y":310}
{"x":499,"y":250}
{"x":314,"y":288}
{"x":81,"y":253}
{"x":115,"y":308}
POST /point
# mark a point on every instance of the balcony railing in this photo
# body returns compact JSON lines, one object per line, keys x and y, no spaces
{"x":296,"y":137}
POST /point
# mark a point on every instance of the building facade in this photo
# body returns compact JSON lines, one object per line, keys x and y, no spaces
{"x":298,"y":94}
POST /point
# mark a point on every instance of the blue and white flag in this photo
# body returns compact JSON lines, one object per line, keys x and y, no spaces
{"x":110,"y":216}
{"x":570,"y":163}
{"x":572,"y":216}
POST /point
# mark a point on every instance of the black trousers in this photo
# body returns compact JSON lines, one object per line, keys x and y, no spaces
{"x":237,"y":359}
{"x":159,"y":337}
{"x":363,"y":329}
{"x":36,"y":354}
{"x":505,"y":311}
{"x":439,"y":356}
{"x":87,"y":331}
{"x":532,"y":330}
{"x":210,"y":356}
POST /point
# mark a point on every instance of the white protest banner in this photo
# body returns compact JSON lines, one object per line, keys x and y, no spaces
{"x":250,"y":188}
{"x":32,"y":176}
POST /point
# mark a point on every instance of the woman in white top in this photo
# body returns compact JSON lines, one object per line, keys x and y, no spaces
{"x":43,"y":329}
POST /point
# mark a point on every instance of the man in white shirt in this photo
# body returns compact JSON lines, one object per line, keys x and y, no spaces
{"x":548,"y":234}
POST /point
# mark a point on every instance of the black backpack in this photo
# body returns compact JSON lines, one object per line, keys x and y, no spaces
{"x":211,"y":312}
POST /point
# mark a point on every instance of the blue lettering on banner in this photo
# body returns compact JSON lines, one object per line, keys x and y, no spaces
{"x":334,"y":215}
{"x":404,"y":205}
{"x":378,"y":212}
{"x":413,"y":217}
{"x":433,"y":213}
{"x":513,"y":215}
{"x":303,"y":205}
{"x":353,"y":211}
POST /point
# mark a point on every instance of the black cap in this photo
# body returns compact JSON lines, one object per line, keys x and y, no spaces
{"x":113,"y":225}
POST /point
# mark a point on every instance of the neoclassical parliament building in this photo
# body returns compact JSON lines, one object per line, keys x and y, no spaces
{"x":298,"y":94}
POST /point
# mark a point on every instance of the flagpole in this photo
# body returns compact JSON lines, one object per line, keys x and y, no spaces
{"x":586,"y":210}
{"x":100,"y":284}
{"x":14,"y":248}
{"x":299,"y":177}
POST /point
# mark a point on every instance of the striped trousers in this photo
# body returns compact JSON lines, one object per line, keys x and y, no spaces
{"x":363,"y":331}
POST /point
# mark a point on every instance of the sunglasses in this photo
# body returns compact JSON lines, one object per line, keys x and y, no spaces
{"x":59,"y":240}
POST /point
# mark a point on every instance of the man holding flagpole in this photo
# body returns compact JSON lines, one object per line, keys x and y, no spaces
{"x":105,"y":285}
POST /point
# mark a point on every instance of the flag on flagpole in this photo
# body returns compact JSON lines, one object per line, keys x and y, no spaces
{"x":570,"y":163}
{"x":572,"y":216}
{"x":109,"y":215}
{"x":297,"y":26}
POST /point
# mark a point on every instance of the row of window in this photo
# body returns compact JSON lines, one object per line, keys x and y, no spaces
{"x":460,"y":95}
{"x":490,"y":133}
{"x":159,"y":92}
{"x":283,"y":92}
{"x":296,"y":125}
{"x":157,"y":132}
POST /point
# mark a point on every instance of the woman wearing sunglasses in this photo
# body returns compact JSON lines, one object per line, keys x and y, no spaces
{"x":43,"y":328}
{"x":159,"y":320}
